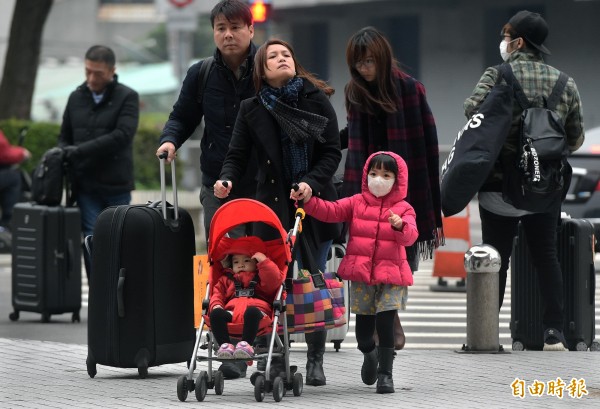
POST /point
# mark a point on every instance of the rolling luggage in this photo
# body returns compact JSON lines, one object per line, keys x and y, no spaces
{"x":576,"y":257}
{"x":141,"y":307}
{"x":335,"y":335}
{"x":46,"y":260}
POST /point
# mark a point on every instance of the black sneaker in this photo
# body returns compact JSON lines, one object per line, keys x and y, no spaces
{"x":554,"y":340}
{"x":233,"y":369}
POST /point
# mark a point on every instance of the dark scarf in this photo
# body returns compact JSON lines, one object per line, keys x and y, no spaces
{"x":411,"y":133}
{"x":297,"y":127}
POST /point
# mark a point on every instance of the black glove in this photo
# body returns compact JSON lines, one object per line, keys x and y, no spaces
{"x":72,"y":153}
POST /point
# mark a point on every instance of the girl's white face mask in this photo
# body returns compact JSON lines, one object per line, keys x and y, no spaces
{"x":379,"y":186}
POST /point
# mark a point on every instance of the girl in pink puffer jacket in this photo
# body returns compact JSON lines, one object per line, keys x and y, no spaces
{"x":381,"y":223}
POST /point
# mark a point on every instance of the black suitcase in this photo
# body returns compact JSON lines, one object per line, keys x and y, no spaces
{"x":46,"y":260}
{"x":141,"y":306}
{"x":576,"y":257}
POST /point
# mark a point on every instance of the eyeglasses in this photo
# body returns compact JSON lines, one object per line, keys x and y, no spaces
{"x":367,"y":63}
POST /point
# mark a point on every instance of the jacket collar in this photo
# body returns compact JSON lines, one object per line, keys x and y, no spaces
{"x":107,"y":91}
{"x":249,"y":59}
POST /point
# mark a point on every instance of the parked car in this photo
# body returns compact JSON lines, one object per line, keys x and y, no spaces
{"x":583,"y":197}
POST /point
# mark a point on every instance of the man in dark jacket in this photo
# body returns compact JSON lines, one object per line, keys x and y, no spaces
{"x":229,"y":82}
{"x":97,"y":132}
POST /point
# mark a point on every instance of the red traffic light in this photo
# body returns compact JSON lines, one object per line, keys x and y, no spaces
{"x":260,"y":11}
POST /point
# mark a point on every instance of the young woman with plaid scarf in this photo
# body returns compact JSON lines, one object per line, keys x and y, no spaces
{"x":387,"y":110}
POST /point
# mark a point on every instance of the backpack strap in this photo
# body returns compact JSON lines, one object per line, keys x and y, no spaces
{"x":203,"y":77}
{"x":557,"y":91}
{"x":520,"y":96}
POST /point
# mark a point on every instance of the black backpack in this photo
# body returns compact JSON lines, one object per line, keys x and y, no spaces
{"x":539,"y":179}
{"x":50,"y":178}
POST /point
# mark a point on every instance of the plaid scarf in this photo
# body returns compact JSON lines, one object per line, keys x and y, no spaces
{"x":297,"y":127}
{"x":411,"y":133}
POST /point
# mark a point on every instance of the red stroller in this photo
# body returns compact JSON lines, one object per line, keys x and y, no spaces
{"x":230,"y":215}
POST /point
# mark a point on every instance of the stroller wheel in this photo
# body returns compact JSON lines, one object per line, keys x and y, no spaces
{"x":219,"y":382}
{"x":259,"y":387}
{"x":201,"y":386}
{"x":278,"y":389}
{"x":182,"y":391}
{"x":298,"y":384}
{"x":253,"y":377}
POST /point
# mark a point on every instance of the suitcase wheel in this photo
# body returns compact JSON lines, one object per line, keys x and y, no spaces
{"x":595,"y":346}
{"x":143,"y":372}
{"x":75,"y":317}
{"x":91,"y":367}
{"x":337,"y":344}
{"x":518,"y":346}
{"x":14,"y":316}
{"x":581,"y":346}
{"x":45,"y":317}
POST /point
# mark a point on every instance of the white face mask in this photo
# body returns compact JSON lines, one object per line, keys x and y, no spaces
{"x":379,"y":186}
{"x":503,"y":49}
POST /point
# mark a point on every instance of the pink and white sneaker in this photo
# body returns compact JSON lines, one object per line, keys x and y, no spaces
{"x":243,"y":350}
{"x":226,"y":351}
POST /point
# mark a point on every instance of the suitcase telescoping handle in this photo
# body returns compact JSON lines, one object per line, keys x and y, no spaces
{"x":163,"y":186}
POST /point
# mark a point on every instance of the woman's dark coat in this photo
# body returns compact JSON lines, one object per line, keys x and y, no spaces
{"x":255,"y":126}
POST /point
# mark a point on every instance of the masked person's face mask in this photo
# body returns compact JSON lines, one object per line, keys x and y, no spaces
{"x":379,"y":186}
{"x":504,"y":49}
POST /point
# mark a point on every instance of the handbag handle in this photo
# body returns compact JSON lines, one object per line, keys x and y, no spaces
{"x":309,"y":262}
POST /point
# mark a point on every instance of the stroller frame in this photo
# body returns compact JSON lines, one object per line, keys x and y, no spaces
{"x":211,"y":379}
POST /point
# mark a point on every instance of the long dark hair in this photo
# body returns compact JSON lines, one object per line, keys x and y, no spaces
{"x":260,"y":66}
{"x":357,"y":93}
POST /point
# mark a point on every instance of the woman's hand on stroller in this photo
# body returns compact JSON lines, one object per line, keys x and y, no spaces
{"x":222,"y":188}
{"x":304,"y":192}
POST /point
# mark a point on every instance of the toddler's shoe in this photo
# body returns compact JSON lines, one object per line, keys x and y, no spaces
{"x":243,"y":350}
{"x":226,"y":351}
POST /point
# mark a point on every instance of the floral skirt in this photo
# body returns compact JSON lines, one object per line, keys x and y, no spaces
{"x":370,"y":299}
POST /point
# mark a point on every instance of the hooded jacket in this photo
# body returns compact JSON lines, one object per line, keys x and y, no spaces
{"x":269,"y":278}
{"x":376,"y":251}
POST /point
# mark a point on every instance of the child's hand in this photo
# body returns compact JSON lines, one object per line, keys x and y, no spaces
{"x":395,"y":220}
{"x":259,"y":257}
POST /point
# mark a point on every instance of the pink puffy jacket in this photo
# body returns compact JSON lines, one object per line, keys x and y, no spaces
{"x":375,"y":252}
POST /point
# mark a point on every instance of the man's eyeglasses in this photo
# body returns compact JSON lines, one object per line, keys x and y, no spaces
{"x":367,"y":63}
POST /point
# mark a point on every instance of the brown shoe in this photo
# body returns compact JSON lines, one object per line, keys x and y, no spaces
{"x":399,"y":337}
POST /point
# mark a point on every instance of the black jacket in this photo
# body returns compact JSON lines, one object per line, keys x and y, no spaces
{"x":104,"y":134}
{"x":256,"y":128}
{"x":221,"y":103}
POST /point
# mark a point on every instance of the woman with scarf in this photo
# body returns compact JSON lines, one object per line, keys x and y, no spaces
{"x":293,"y":127}
{"x":387,"y":111}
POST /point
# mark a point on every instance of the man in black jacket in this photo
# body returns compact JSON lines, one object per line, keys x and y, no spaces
{"x":97,"y":131}
{"x":229,"y":82}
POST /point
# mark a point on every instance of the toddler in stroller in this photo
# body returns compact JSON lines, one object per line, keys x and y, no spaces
{"x":241,"y":298}
{"x":244,"y":299}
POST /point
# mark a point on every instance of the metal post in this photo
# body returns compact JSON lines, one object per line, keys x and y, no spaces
{"x":482,"y":263}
